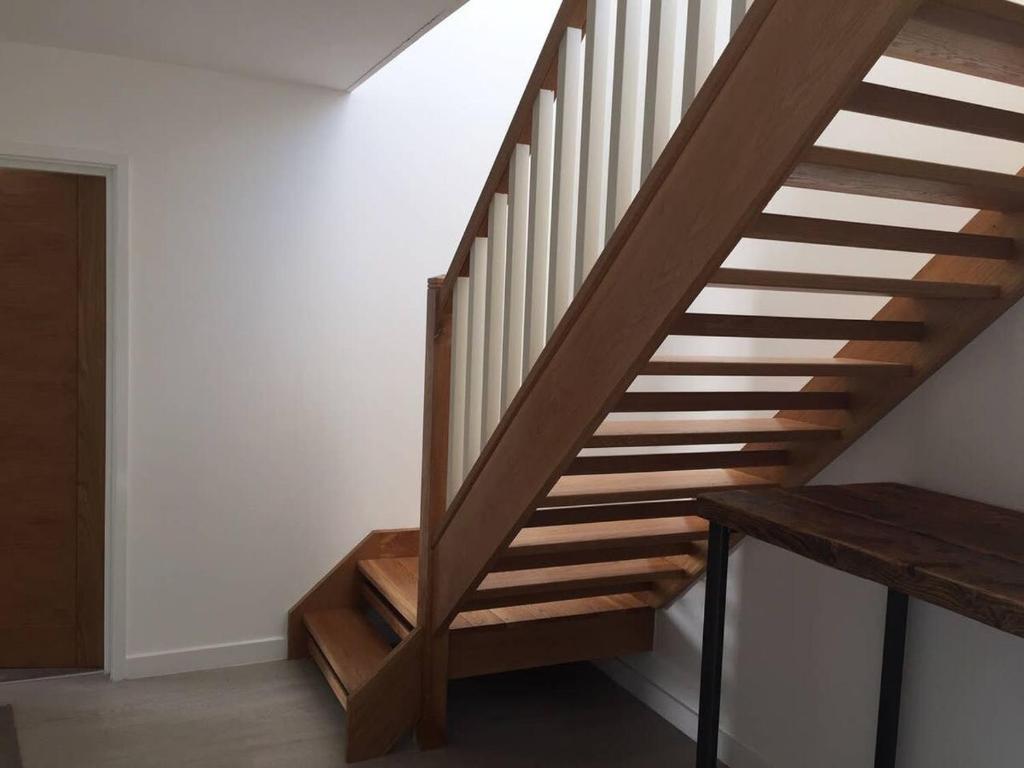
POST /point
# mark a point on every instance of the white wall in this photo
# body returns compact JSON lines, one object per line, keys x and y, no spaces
{"x":803,"y":645}
{"x":281,"y":239}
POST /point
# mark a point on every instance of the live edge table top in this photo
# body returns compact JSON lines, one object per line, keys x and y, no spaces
{"x":961,"y":555}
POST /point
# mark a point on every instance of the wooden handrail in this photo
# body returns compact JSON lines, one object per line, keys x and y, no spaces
{"x":571,"y":13}
{"x":787,"y":70}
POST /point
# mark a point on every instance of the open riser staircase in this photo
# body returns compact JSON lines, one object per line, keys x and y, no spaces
{"x":586,"y":377}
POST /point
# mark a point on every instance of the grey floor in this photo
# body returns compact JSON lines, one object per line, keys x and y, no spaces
{"x":10,"y":675}
{"x":281,"y":714}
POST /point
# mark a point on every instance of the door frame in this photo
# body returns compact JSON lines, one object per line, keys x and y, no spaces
{"x":116,"y":170}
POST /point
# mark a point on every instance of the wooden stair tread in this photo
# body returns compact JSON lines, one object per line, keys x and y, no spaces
{"x":855,"y":234}
{"x":667,"y":462}
{"x":897,"y":540}
{"x":556,"y":609}
{"x":515,"y":587}
{"x":349,"y":643}
{"x":599,"y":534}
{"x":396,"y":579}
{"x":678,"y":402}
{"x":615,"y":434}
{"x":936,"y":111}
{"x":673,"y":365}
{"x":862,"y":173}
{"x":574,"y":490}
{"x":601,"y":541}
{"x":771,"y":327}
{"x":823,"y":283}
{"x":984,"y":38}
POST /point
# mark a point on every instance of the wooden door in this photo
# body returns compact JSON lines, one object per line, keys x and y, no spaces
{"x":52,"y":418}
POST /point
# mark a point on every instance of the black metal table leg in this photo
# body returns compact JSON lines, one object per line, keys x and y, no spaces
{"x":713,"y":647}
{"x":893,"y":650}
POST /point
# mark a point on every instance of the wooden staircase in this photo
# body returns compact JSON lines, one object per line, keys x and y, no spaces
{"x":557,"y":495}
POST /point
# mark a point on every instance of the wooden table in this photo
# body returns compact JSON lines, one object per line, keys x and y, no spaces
{"x":961,"y":555}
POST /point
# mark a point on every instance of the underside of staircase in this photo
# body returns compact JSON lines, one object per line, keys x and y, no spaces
{"x":557,"y":528}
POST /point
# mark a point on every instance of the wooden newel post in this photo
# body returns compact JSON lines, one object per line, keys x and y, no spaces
{"x":430,"y":731}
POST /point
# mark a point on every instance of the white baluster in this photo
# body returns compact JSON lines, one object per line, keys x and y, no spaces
{"x":497,"y":242}
{"x":515,"y":271}
{"x":693,"y":64}
{"x":542,"y":144}
{"x":457,"y":402}
{"x":597,"y":85}
{"x":475,"y":378}
{"x":666,"y":48}
{"x":628,"y":85}
{"x":565,"y":196}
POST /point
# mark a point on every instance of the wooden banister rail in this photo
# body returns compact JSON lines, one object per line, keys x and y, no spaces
{"x":571,"y":13}
{"x":789,"y":67}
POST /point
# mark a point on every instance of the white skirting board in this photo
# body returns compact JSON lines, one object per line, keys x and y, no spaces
{"x":679,"y":713}
{"x":205,"y":657}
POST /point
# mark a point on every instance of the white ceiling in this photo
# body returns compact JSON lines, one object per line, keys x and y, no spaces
{"x":332,"y":43}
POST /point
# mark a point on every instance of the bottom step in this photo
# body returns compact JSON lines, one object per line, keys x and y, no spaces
{"x":379,"y":686}
{"x":346,"y":647}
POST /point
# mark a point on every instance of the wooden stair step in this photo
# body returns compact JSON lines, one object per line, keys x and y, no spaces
{"x":576,"y":490}
{"x":677,"y":402}
{"x":504,"y":588}
{"x":823,"y":283}
{"x":553,"y":609}
{"x":669,"y":365}
{"x":396,"y":578}
{"x":599,"y":513}
{"x":768,"y":327}
{"x":621,"y":434}
{"x":936,"y":111}
{"x":601,"y":541}
{"x":862,"y":173}
{"x":855,"y":234}
{"x":984,"y":38}
{"x":346,"y":642}
{"x":666,"y":462}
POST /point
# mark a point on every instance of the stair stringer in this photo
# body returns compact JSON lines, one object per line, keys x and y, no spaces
{"x":388,"y":706}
